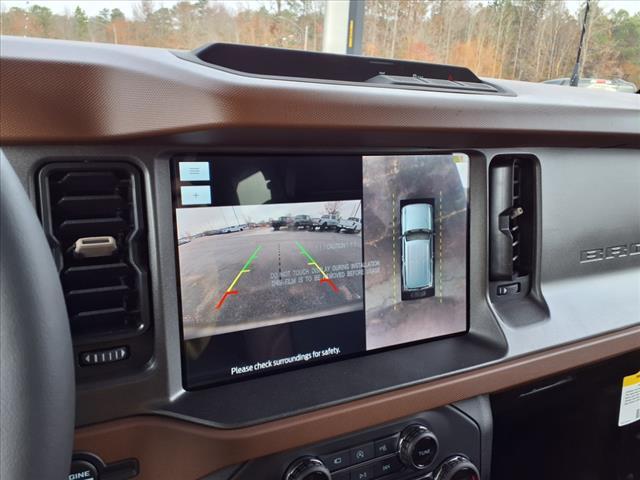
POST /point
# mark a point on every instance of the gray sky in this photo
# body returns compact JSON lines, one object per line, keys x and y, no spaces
{"x":92,"y":7}
{"x":197,"y":220}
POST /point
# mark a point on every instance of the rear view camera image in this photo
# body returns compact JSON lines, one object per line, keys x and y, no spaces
{"x":249,"y":266}
{"x":415,"y":226}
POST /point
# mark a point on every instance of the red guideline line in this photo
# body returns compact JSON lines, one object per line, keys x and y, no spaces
{"x":224,"y":297}
{"x":331,"y":284}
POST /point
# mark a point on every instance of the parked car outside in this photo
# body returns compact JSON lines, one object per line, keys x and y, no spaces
{"x":302,"y":222}
{"x":329,"y":221}
{"x":315,"y":223}
{"x":232,"y":228}
{"x":613,"y":85}
{"x":281,"y":222}
{"x":350,"y":225}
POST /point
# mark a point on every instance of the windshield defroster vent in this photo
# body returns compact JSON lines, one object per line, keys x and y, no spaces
{"x":92,"y":214}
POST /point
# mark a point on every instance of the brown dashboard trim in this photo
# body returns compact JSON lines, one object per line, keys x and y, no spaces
{"x":54,"y":91}
{"x":168,"y":448}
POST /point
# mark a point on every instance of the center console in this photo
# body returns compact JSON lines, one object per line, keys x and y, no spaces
{"x":443,"y":444}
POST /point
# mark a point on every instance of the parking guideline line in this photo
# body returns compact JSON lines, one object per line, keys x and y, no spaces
{"x":440,"y":246}
{"x":326,"y":278}
{"x":394,"y":241}
{"x":311,"y":260}
{"x":243,"y":270}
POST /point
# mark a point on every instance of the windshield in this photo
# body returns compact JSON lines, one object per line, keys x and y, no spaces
{"x":532,"y":40}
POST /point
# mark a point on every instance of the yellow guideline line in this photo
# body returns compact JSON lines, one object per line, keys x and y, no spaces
{"x":235,"y":280}
{"x":440,"y":256}
{"x":244,"y":269}
{"x":312,"y":261}
{"x":394,"y":285}
{"x":318,"y":267}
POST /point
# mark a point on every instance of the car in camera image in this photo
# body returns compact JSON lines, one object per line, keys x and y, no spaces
{"x":350,"y":225}
{"x":282,"y":222}
{"x":302,"y":222}
{"x":329,"y":221}
{"x":417,"y":250}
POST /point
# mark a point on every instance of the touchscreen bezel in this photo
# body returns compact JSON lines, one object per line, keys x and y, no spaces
{"x":176,"y":203}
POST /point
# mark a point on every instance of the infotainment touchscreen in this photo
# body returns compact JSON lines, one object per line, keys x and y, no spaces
{"x":288,"y":261}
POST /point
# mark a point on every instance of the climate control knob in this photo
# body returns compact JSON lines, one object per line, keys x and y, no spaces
{"x":307,"y":468}
{"x":457,"y":468}
{"x":418,"y":446}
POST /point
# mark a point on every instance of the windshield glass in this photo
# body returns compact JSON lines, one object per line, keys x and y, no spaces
{"x":532,"y":40}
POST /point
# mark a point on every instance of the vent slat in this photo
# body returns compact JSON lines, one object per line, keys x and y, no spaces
{"x":83,"y":206}
{"x":87,"y":182}
{"x":91,"y":276}
{"x":88,"y":298}
{"x":101,"y":322}
{"x":71,"y":230}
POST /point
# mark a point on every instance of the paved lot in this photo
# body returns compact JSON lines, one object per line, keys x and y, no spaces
{"x":276,"y":277}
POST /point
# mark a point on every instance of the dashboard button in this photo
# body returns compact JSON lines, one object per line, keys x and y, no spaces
{"x":362,"y":473}
{"x":457,"y":468}
{"x":386,"y":467}
{"x":385,"y":446}
{"x":307,"y":468}
{"x":338,"y":460}
{"x":418,"y":446}
{"x":362,"y":453}
{"x":99,"y":357}
{"x":510,"y":289}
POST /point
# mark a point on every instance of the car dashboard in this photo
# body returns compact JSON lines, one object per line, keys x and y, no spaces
{"x":221,"y":330}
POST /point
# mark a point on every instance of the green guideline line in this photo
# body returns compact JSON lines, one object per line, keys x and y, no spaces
{"x":311,"y":260}
{"x":304,"y":252}
{"x":252,"y":257}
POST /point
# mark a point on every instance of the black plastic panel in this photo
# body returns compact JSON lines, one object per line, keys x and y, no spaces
{"x":285,"y":64}
{"x":456,"y":433}
{"x":571,"y":423}
{"x":282,"y":62}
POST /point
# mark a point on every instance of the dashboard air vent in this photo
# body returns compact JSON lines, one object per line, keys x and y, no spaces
{"x":92,"y":214}
{"x":511,"y":217}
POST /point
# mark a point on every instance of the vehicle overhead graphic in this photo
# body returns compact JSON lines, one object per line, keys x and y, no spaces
{"x":320,"y":240}
{"x":417,"y":249}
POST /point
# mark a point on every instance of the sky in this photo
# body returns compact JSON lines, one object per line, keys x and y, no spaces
{"x":197,"y":220}
{"x":92,"y":7}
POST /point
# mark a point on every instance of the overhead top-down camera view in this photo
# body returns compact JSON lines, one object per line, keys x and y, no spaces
{"x":320,"y":239}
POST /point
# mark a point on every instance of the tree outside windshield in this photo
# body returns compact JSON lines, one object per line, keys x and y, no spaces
{"x":532,"y":40}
